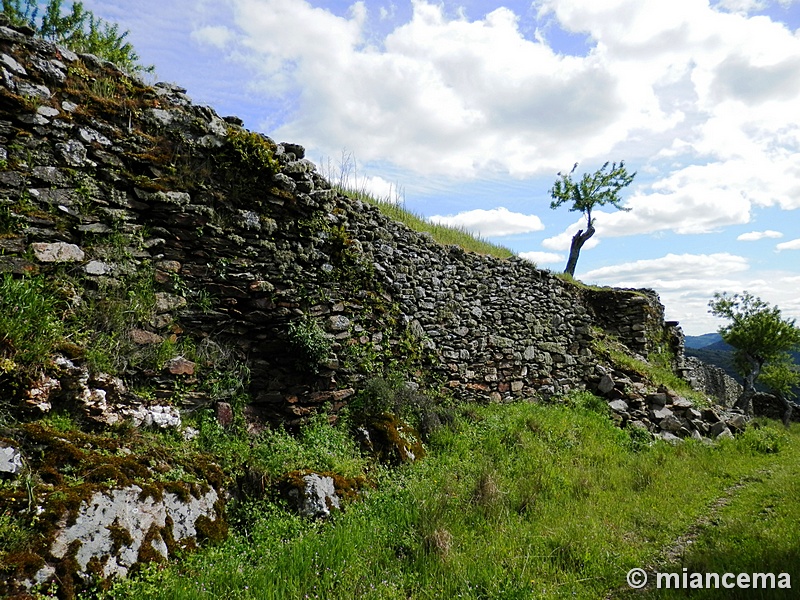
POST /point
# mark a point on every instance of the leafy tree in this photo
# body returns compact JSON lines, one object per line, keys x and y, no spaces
{"x":759,"y":334}
{"x":77,"y":29}
{"x":782,"y":376}
{"x":600,"y":188}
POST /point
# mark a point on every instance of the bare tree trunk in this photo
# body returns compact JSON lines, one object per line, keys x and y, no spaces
{"x":787,"y":410}
{"x":744,"y":401}
{"x":578,"y":240}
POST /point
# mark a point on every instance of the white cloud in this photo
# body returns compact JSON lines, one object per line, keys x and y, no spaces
{"x":542,"y":257}
{"x":686,"y":283}
{"x":496,"y":222}
{"x":670,"y":267}
{"x":753,"y":236}
{"x":218,"y":35}
{"x":790,"y":245}
{"x":742,"y":6}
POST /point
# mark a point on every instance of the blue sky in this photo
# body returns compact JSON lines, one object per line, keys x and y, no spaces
{"x":467,"y":109}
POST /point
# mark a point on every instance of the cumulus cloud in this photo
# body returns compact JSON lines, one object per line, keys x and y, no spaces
{"x":790,"y":245}
{"x":542,"y":257}
{"x":753,"y":236}
{"x":496,"y":222}
{"x":686,"y":282}
{"x":670,"y":267}
{"x":685,"y":81}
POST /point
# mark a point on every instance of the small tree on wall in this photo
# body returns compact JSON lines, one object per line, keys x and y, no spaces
{"x":600,"y":188}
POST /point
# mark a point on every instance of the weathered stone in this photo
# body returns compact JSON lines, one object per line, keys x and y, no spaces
{"x":656,"y":400}
{"x":717,"y":428}
{"x":737,"y":422}
{"x":725,"y":434}
{"x":179,"y":366}
{"x":12,"y":65}
{"x":316,"y":497}
{"x":224,"y":413}
{"x":619,"y":406}
{"x":73,"y":153}
{"x":97,"y":267}
{"x":10,"y":460}
{"x":57,"y":252}
{"x":145,"y":338}
{"x":660,"y":413}
{"x":338,"y":323}
{"x":680,"y":403}
{"x":606,"y":384}
{"x":670,"y":438}
{"x":168,"y":302}
{"x":128,"y":510}
{"x":160,"y":416}
{"x":671,"y":423}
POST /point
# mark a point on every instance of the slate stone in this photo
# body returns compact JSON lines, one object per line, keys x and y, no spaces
{"x":57,"y":252}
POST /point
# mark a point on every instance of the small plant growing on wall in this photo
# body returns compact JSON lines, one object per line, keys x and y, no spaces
{"x":310,"y":341}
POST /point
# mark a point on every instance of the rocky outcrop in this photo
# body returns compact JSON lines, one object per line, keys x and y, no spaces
{"x":99,"y":506}
{"x":118,"y":528}
{"x":10,"y":460}
{"x":662,"y":412}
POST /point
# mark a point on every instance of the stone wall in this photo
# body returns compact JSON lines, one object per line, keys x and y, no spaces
{"x":191,"y":258}
{"x":712,"y":381}
{"x":246,"y":241}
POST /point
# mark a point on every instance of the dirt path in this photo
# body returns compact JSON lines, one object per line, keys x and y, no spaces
{"x":673,"y":554}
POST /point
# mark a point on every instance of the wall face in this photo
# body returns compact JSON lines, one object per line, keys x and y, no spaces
{"x":249,"y":249}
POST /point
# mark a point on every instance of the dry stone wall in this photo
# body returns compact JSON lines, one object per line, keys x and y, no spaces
{"x":190,"y":258}
{"x":245,"y":240}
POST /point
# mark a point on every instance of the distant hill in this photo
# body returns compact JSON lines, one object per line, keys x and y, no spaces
{"x":702,"y":341}
{"x":710,"y":348}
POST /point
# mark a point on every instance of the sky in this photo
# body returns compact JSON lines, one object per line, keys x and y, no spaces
{"x":466,"y":111}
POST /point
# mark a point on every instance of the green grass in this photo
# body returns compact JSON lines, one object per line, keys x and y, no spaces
{"x":30,"y":319}
{"x":656,"y":369}
{"x":513,"y":501}
{"x":441,"y":233}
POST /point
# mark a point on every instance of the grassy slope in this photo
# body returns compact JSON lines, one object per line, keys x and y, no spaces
{"x":513,"y":501}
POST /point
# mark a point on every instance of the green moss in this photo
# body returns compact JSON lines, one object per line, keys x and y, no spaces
{"x":392,"y":441}
{"x":120,"y":536}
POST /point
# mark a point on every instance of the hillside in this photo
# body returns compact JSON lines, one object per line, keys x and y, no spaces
{"x":196,"y":327}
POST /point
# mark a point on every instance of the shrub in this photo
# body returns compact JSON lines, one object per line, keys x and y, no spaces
{"x":764,"y":439}
{"x":310,"y":341}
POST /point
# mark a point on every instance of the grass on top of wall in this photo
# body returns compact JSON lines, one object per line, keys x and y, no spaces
{"x":443,"y":234}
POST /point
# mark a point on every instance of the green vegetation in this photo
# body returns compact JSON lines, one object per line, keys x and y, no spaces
{"x":597,"y":189}
{"x":346,"y":182}
{"x":760,"y":336}
{"x":310,"y":341}
{"x":513,"y":501}
{"x":29,"y":320}
{"x":443,"y":234}
{"x":656,"y":369}
{"x":78,"y":30}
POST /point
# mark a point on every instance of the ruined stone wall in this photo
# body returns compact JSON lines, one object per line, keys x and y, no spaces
{"x":104,"y":177}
